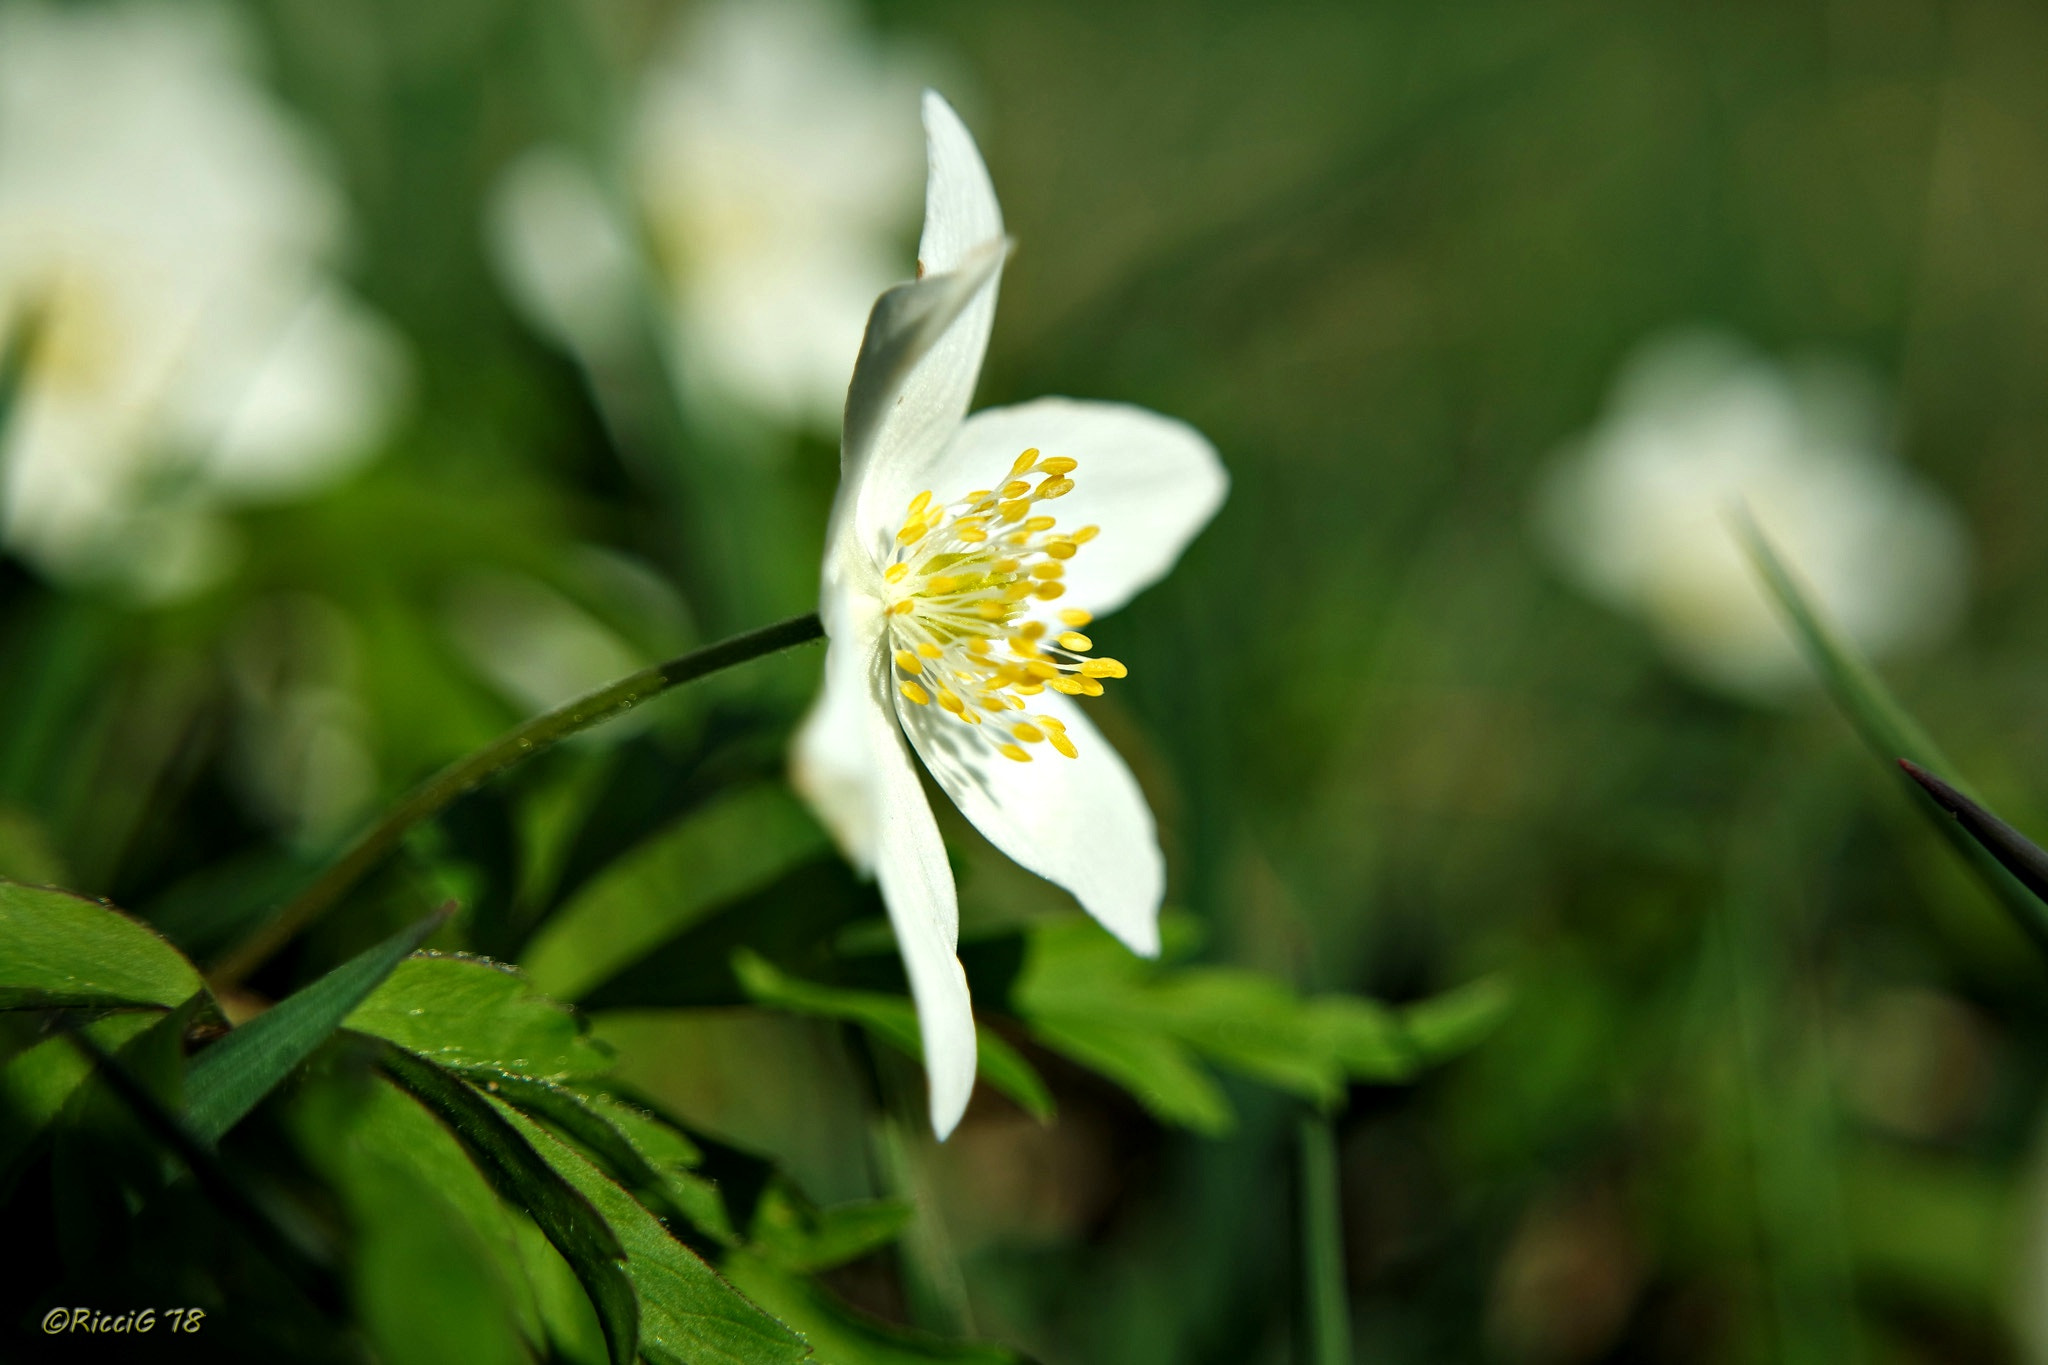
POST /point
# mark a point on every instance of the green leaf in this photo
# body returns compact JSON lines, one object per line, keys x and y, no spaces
{"x":58,"y":950}
{"x":635,"y":1149}
{"x":1446,"y":1025}
{"x":842,"y":1335}
{"x":232,"y":1077}
{"x":688,"y":1315}
{"x":507,"y":1157}
{"x":35,"y":1085}
{"x":1886,"y":729}
{"x":1151,"y":1027}
{"x":798,"y":1235}
{"x":471,"y":1012}
{"x":893,"y":1020}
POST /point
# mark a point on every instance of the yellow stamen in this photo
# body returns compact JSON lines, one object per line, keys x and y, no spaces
{"x":908,"y":662}
{"x":1015,"y":751}
{"x":1076,"y":618}
{"x":914,"y":692}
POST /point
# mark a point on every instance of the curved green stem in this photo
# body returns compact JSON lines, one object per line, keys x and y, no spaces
{"x":464,"y":775}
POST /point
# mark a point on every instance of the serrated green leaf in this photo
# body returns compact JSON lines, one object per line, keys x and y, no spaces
{"x":436,"y":1271}
{"x":472,"y":1012}
{"x":639,"y":1152}
{"x":891,"y":1019}
{"x":1151,"y":1027}
{"x":841,"y":1334}
{"x":1160,"y":1073}
{"x":505,"y":1152}
{"x":688,"y":1315}
{"x":58,"y":950}
{"x":798,"y":1235}
{"x":232,"y":1077}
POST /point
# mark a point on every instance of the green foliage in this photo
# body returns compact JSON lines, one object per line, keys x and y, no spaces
{"x":1149,"y":1026}
{"x":891,"y":1019}
{"x":58,"y":950}
{"x":797,"y":1235}
{"x":842,"y":1335}
{"x":584,"y":1238}
{"x":232,"y":1077}
{"x":469,"y":1012}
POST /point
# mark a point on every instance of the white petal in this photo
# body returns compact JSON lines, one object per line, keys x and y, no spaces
{"x":831,"y":766}
{"x":853,"y":767}
{"x":1150,"y":482}
{"x":922,"y":354}
{"x":898,"y":409}
{"x":1081,"y":823}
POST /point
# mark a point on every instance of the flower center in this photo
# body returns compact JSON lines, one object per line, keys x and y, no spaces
{"x":967,"y":582}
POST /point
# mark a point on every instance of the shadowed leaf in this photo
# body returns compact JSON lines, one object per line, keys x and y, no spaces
{"x":2015,"y":852}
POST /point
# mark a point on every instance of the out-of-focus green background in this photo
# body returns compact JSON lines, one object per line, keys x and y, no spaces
{"x":1773,"y":1087}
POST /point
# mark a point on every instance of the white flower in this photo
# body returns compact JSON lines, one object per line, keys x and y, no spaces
{"x":165,"y":224}
{"x":771,"y":169}
{"x":1639,"y":512}
{"x":954,"y":604}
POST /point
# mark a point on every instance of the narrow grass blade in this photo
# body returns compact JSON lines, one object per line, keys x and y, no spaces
{"x":232,"y":1077}
{"x":1884,"y":726}
{"x":2015,"y":852}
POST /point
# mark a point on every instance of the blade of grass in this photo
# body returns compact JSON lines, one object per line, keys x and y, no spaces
{"x":1884,"y":726}
{"x":232,"y":1077}
{"x":2015,"y":852}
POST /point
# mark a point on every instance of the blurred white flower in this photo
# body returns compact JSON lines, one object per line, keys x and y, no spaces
{"x":302,"y":755}
{"x":164,"y":223}
{"x":1638,"y":511}
{"x":773,"y":171}
{"x":940,"y":618}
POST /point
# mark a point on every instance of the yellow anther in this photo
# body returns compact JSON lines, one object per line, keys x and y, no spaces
{"x":1090,"y":687}
{"x":1075,"y":640}
{"x":1058,"y":464}
{"x":978,"y":645}
{"x":987,"y":611}
{"x":1062,"y":549}
{"x":1055,"y":487}
{"x":1053,"y":724}
{"x":1017,"y":592}
{"x":1015,"y":751}
{"x":1003,"y":566}
{"x":1048,"y":569}
{"x":1023,"y":647}
{"x":1047,"y":591}
{"x":1041,"y":670}
{"x":1025,"y":461}
{"x":951,"y":700}
{"x":1028,"y":689}
{"x":978,"y":494}
{"x":994,"y":704}
{"x":905,"y":607}
{"x":1086,"y":534}
{"x":914,"y":692}
{"x":1013,"y":511}
{"x":1104,"y":668}
{"x":938,"y":585}
{"x":973,"y":535}
{"x":1028,"y":732}
{"x":920,"y":502}
{"x":912,"y":532}
{"x":1075,"y":617}
{"x":1032,"y":630}
{"x":932,"y":651}
{"x":1071,"y":686}
{"x":1063,"y":744}
{"x":895,"y":572}
{"x":1016,"y":488}
{"x":1040,"y":524}
{"x":908,"y":662}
